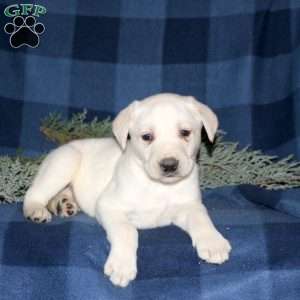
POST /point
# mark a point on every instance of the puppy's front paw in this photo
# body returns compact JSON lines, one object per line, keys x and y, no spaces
{"x":213,"y":248}
{"x":120,"y":269}
{"x":37,"y":213}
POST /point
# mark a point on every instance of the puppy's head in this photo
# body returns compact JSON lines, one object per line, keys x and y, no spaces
{"x":165,"y":133}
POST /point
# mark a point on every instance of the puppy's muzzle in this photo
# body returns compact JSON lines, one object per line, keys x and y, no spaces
{"x":169,"y":166}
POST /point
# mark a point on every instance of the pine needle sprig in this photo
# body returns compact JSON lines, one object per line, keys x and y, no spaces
{"x":61,"y":131}
{"x":222,"y":163}
{"x":16,"y":175}
{"x":225,"y":164}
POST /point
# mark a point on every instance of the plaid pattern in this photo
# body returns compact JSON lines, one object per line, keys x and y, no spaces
{"x":64,"y":259}
{"x":239,"y":57}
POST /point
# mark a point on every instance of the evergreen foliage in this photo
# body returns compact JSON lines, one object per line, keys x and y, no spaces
{"x":221,"y":163}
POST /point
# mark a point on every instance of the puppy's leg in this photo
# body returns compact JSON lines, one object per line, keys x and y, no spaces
{"x":64,"y":204}
{"x":120,"y":266}
{"x":55,"y":173}
{"x":211,"y":246}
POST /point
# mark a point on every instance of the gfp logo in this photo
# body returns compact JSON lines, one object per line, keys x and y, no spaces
{"x":24,"y":30}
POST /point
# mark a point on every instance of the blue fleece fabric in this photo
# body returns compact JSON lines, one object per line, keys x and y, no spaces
{"x":64,"y":259}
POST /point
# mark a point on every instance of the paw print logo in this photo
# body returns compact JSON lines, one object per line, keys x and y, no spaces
{"x":24,"y":32}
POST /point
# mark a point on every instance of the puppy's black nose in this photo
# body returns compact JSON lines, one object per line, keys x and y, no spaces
{"x":169,"y":165}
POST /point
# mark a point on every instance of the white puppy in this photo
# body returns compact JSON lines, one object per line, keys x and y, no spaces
{"x":148,"y":179}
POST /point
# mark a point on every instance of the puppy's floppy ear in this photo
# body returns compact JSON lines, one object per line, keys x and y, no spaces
{"x":205,"y":115}
{"x":122,"y":123}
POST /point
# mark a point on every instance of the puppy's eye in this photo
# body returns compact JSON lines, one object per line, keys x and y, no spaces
{"x":184,"y":132}
{"x":148,"y":137}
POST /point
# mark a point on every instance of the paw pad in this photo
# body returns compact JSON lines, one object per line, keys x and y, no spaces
{"x":37,"y":214}
{"x":66,"y":208}
{"x":24,"y":31}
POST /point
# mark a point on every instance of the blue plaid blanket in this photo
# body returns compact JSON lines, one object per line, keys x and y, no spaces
{"x":64,"y":259}
{"x":239,"y":57}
